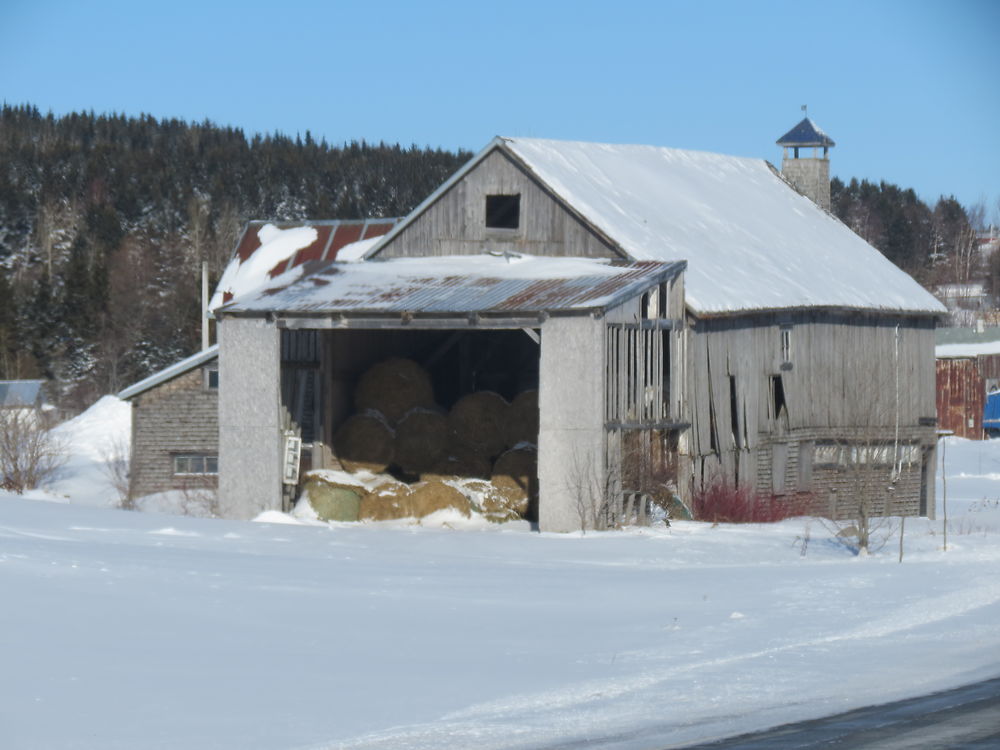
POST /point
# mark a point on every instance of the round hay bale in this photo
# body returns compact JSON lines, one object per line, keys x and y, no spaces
{"x":479,"y":420}
{"x":461,"y":462}
{"x":493,"y":504}
{"x":387,"y":502}
{"x":393,"y":387}
{"x":515,"y":476}
{"x":434,"y":496}
{"x":421,"y":440}
{"x":522,"y":420}
{"x":332,"y":501}
{"x":364,"y":441}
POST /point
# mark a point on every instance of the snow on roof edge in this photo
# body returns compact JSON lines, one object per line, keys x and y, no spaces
{"x":171,"y":372}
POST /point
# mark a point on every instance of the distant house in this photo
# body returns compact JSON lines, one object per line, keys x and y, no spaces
{"x":688,"y":317}
{"x":175,"y":432}
{"x":27,"y":397}
{"x":968,"y":370}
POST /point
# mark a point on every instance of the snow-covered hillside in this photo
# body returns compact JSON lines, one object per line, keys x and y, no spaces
{"x":138,"y":630}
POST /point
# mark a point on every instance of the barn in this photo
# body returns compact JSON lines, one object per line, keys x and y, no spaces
{"x":688,"y":319}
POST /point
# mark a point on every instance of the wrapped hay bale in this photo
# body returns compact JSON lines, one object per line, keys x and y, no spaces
{"x":522,"y":420}
{"x":461,"y":462}
{"x":422,"y":439}
{"x":479,"y":421}
{"x":332,"y":501}
{"x":434,"y":496}
{"x":515,"y":476}
{"x":387,"y":502}
{"x":393,"y":387}
{"x":364,"y":441}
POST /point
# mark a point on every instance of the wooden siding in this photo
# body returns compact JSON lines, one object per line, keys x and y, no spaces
{"x":180,"y":416}
{"x":846,"y":379}
{"x":961,"y":397}
{"x":455,"y":224}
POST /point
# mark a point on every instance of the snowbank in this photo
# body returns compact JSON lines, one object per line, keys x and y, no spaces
{"x":92,"y":441}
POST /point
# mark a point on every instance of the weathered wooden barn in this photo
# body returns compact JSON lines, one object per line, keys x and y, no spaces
{"x":787,"y":354}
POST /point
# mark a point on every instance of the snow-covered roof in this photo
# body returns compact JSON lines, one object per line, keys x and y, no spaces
{"x":751,"y":241}
{"x":169,"y":373}
{"x":961,"y":351}
{"x":267,"y":249}
{"x":458,"y":285}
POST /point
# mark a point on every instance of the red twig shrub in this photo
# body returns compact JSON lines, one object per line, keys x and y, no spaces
{"x":723,"y":502}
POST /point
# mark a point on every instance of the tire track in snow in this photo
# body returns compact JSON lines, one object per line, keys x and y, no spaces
{"x":488,"y":724}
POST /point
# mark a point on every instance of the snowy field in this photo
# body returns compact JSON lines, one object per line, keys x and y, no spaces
{"x":144,"y":630}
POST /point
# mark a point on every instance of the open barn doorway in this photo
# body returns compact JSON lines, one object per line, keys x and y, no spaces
{"x":419,"y":405}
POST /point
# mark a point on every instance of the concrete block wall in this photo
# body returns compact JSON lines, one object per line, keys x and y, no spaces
{"x":571,"y":436}
{"x":250,"y":420}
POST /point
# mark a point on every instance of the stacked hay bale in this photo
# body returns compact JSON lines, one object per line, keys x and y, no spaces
{"x":398,"y":427}
{"x":515,"y":477}
{"x":393,"y":387}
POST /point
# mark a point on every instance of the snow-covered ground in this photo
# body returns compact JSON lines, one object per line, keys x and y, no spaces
{"x":140,"y":630}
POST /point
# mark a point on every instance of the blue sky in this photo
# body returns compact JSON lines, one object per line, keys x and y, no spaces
{"x":910,"y":91}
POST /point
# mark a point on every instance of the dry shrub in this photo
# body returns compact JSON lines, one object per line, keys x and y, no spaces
{"x":364,"y":441}
{"x":387,"y":502}
{"x":515,"y":476}
{"x":434,"y":496}
{"x":422,"y":439}
{"x":522,"y":419}
{"x":724,"y":502}
{"x":479,"y":421}
{"x":29,"y":453}
{"x":393,"y":387}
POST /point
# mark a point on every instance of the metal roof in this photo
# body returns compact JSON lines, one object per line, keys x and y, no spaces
{"x":169,"y":373}
{"x":806,"y":133}
{"x":331,"y":236}
{"x":16,"y":393}
{"x":459,"y":286}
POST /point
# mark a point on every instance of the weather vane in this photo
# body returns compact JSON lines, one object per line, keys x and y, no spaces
{"x":804,"y":110}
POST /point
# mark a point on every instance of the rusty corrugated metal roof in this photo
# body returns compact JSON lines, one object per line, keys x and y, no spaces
{"x":458,"y":285}
{"x":332,"y":235}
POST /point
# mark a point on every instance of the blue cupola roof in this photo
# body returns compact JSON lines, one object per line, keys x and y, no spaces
{"x":806,"y":133}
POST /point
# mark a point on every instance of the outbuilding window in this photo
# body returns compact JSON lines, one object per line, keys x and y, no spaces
{"x":188,"y":464}
{"x":503,"y":211}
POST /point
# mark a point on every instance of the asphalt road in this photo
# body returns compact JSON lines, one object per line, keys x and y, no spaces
{"x":966,"y":718}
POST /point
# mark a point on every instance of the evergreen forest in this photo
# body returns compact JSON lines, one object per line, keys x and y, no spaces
{"x":105,"y":221}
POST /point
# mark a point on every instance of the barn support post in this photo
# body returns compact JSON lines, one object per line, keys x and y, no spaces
{"x":571,"y":443}
{"x":250,"y":420}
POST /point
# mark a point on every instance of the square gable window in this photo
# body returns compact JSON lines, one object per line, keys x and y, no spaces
{"x":503,"y":211}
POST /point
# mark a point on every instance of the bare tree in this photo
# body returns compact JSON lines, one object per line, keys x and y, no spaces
{"x":29,"y":453}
